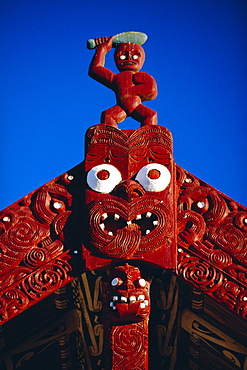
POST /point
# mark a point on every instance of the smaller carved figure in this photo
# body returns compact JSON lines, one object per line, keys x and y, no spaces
{"x":130,"y":86}
{"x":126,"y":295}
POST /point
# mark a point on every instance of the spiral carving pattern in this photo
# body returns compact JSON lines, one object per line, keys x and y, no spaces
{"x":220,"y":259}
{"x":228,"y":237}
{"x":240,"y":221}
{"x":47,"y":279}
{"x":228,"y":293}
{"x":24,"y":233}
{"x":35,"y":257}
{"x":205,"y":201}
{"x":200,"y":273}
{"x":130,"y":343}
{"x":15,"y":300}
{"x":31,"y":238}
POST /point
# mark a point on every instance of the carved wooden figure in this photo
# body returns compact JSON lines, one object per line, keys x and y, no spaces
{"x":126,"y":209}
{"x":126,"y":313}
{"x":130,"y":86}
{"x":130,"y":196}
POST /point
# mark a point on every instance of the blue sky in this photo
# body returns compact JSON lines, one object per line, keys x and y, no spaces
{"x":196,"y":51}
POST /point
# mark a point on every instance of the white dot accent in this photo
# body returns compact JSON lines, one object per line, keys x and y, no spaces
{"x":57,"y":205}
{"x":142,"y":282}
{"x":200,"y":204}
{"x":6,"y":218}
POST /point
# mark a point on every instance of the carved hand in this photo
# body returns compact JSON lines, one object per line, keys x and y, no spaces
{"x":104,"y":43}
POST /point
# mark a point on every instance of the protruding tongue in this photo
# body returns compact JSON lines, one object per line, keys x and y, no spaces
{"x":125,"y":243}
{"x":128,"y":309}
{"x":127,"y":240}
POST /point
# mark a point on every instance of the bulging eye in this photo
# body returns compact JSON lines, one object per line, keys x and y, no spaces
{"x":135,"y":57}
{"x":103,"y":178}
{"x":142,"y":282}
{"x":154,"y":177}
{"x":122,"y":57}
{"x":116,"y":281}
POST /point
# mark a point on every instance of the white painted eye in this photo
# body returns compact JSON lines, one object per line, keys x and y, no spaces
{"x":116,"y":281}
{"x":103,"y":178}
{"x":122,"y":57}
{"x":142,"y":282}
{"x":154,"y":177}
{"x":135,"y":57}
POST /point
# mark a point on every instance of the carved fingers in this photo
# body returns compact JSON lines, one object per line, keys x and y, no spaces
{"x":104,"y":43}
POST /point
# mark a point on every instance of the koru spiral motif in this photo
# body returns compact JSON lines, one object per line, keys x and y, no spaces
{"x":212,"y":238}
{"x":33,"y":260}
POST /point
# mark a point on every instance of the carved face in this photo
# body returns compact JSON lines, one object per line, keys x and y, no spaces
{"x":130,"y":193}
{"x":126,"y":294}
{"x":129,"y":57}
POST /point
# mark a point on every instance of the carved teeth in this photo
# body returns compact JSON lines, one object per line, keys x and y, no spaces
{"x":148,"y":214}
{"x":138,"y":217}
{"x":141,"y":297}
{"x":110,"y":233}
{"x":142,"y":305}
{"x":146,"y":302}
{"x":155,"y":223}
{"x":115,"y":298}
{"x":102,"y":226}
{"x":104,"y":216}
{"x":124,"y":299}
{"x":116,"y":217}
{"x":129,"y":222}
{"x":147,"y":232}
{"x":132,"y":298}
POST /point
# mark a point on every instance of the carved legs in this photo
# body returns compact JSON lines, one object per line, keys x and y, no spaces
{"x":116,"y":114}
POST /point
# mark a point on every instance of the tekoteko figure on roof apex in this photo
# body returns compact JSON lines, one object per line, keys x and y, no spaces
{"x":130,"y":86}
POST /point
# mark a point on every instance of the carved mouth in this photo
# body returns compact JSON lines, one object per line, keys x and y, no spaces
{"x":123,"y":229}
{"x":128,"y":63}
{"x":110,"y":223}
{"x":138,"y":300}
{"x":134,"y":307}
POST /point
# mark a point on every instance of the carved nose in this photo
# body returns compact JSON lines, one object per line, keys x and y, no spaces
{"x":128,"y":190}
{"x":129,"y":284}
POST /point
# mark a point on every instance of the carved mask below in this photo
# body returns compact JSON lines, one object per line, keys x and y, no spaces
{"x":126,"y":295}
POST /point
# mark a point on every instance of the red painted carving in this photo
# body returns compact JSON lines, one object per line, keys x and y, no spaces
{"x":126,"y":295}
{"x":130,"y":346}
{"x":130,"y":195}
{"x":212,"y":235}
{"x":128,"y":214}
{"x":126,"y":311}
{"x":34,"y":262}
{"x":130,"y":86}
